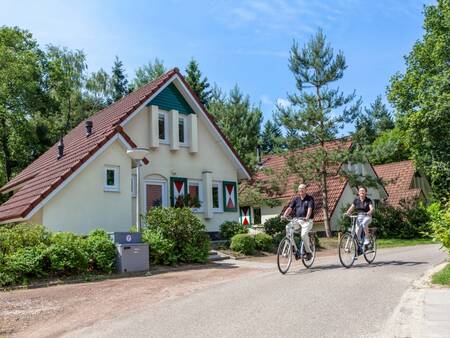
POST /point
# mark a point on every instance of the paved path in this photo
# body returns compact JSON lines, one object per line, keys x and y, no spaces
{"x":326,"y":301}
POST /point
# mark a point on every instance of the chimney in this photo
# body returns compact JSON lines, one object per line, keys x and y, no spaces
{"x":88,"y":124}
{"x":60,"y":148}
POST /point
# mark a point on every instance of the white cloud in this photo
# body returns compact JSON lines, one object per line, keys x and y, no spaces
{"x":283,"y":102}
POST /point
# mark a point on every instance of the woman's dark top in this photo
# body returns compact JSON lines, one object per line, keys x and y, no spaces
{"x":362,"y":206}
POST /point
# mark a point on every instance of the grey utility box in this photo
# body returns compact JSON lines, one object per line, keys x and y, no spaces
{"x":125,"y":237}
{"x":132,"y":257}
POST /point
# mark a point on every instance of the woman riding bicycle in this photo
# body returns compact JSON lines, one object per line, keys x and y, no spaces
{"x":364,"y":207}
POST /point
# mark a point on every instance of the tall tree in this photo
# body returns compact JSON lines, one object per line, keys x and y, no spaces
{"x":239,"y":120}
{"x":22,"y":98}
{"x":147,"y":73}
{"x":98,"y":87}
{"x":66,"y":71}
{"x":119,"y":80}
{"x":194,"y":79}
{"x":375,"y":120}
{"x":317,"y":112}
{"x":421,"y":97}
{"x":272,"y":140}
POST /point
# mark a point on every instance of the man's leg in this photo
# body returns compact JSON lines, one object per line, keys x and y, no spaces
{"x":306,"y":228}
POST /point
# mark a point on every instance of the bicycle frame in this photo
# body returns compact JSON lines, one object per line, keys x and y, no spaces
{"x":359,"y":238}
{"x":290,"y":231}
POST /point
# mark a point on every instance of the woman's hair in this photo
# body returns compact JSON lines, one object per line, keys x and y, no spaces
{"x":362,"y":187}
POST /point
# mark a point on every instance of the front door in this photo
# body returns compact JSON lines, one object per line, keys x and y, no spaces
{"x":155,"y":194}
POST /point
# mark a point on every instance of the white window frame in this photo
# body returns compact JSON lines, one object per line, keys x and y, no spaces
{"x":165,"y":114}
{"x":219,"y":185}
{"x":133,"y":185}
{"x":185,"y":130}
{"x":165,"y":198}
{"x":116,"y":186}
{"x":198,"y":183}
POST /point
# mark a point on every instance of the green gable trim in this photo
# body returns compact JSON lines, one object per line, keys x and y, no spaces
{"x":170,"y":98}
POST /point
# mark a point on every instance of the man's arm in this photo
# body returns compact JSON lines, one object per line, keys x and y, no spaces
{"x":308,"y":214}
{"x":287,"y":212}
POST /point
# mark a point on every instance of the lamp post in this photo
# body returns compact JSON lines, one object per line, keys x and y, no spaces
{"x":138,"y":154}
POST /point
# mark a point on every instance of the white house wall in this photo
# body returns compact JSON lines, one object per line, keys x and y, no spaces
{"x":83,"y":205}
{"x":182,"y":163}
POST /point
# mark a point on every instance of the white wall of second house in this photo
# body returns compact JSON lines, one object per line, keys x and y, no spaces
{"x":269,"y":212}
{"x":166,"y":163}
{"x":83,"y":205}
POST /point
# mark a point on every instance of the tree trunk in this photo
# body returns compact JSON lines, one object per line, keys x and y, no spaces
{"x":5,"y":150}
{"x":326,"y":218}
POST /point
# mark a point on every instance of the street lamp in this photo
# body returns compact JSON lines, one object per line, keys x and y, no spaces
{"x":138,"y":154}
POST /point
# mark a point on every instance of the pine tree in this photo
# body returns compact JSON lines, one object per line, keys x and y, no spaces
{"x":194,"y":79}
{"x":316,"y":113}
{"x":239,"y":120}
{"x":272,"y":140}
{"x":147,"y":73}
{"x":119,"y":80}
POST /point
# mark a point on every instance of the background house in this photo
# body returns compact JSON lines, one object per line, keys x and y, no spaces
{"x":403,"y":182}
{"x":90,"y":182}
{"x":340,"y":193}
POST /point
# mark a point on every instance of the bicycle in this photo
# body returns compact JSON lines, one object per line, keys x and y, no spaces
{"x":350,"y":247}
{"x":288,"y":248}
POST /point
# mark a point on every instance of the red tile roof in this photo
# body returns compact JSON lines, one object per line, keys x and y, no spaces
{"x":335,"y":184}
{"x":399,"y":177}
{"x":46,"y":173}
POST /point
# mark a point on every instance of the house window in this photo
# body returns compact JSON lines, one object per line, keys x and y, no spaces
{"x":163,"y":127}
{"x":182,"y":130}
{"x":111,"y":179}
{"x":133,"y":185}
{"x":195,"y":192}
{"x":217,"y":197}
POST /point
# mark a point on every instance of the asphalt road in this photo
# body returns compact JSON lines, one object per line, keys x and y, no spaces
{"x":325,"y":301}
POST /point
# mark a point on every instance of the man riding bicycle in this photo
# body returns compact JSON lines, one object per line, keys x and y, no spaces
{"x":364,"y":207}
{"x":303,"y":206}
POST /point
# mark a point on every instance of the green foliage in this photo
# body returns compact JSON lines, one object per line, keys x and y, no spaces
{"x":421,"y":97}
{"x":31,"y":251}
{"x":179,"y":231}
{"x":229,"y":229}
{"x":194,"y":79}
{"x":243,"y":243}
{"x":263,"y":242}
{"x":442,"y":277}
{"x":389,"y":146}
{"x":440,"y":223}
{"x":101,"y":251}
{"x":161,"y":248}
{"x":147,"y":73}
{"x":119,"y":82}
{"x":272,"y":140}
{"x":275,"y":225}
{"x":66,"y":253}
{"x":239,"y":120}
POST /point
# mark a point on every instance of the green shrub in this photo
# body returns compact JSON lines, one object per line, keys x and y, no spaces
{"x":101,"y":251}
{"x":229,"y":229}
{"x":66,"y":253}
{"x":161,"y":249}
{"x":277,"y":238}
{"x":263,"y":242}
{"x":243,"y":243}
{"x":275,"y":225}
{"x":183,"y":231}
{"x":27,"y":263}
{"x":14,"y":237}
{"x":440,"y":223}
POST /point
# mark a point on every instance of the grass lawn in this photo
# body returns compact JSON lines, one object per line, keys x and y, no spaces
{"x":442,"y":277}
{"x":332,"y":243}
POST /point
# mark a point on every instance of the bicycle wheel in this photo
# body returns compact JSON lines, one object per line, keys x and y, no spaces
{"x":284,"y":255}
{"x":371,"y":250}
{"x":312,"y":245}
{"x":347,"y":250}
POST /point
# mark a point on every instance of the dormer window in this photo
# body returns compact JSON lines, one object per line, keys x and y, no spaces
{"x":163,"y":127}
{"x":182,"y":130}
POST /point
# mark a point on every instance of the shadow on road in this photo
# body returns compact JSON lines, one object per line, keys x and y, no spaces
{"x":356,"y":266}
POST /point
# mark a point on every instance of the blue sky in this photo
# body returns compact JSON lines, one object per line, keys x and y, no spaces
{"x":243,"y":42}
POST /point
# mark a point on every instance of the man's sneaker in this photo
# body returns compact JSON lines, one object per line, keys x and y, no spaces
{"x":308,"y":256}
